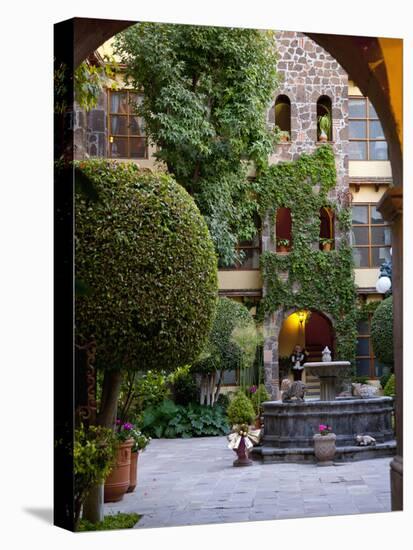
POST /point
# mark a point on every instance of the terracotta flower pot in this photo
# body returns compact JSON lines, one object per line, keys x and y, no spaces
{"x":324,"y":448}
{"x":242,"y":453}
{"x":283,"y":249}
{"x":117,"y":482}
{"x":326,"y":247}
{"x":133,"y":478}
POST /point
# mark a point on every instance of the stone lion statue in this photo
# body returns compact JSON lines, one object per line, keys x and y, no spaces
{"x":365,"y":440}
{"x":292,"y":389}
{"x":365,"y":391}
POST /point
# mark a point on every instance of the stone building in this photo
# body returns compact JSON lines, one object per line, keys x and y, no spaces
{"x":313,"y":84}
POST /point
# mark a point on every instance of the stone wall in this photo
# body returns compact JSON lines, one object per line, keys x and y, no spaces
{"x":307,"y":72}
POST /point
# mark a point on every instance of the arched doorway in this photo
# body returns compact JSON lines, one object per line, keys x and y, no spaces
{"x":313,"y":331}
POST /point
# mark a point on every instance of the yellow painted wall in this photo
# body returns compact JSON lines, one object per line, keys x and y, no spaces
{"x":291,"y":334}
{"x":369,"y":168}
{"x":367,"y":193}
{"x":366,"y":277}
{"x":238,"y":279}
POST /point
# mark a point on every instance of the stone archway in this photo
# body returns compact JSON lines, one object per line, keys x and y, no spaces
{"x":375,"y":65}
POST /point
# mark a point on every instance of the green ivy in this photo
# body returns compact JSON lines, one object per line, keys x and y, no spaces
{"x":324,"y":281}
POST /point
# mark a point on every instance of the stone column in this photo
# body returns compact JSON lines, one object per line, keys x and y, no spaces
{"x":391,"y":207}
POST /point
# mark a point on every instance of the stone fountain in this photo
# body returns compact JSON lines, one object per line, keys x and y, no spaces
{"x":289,"y":427}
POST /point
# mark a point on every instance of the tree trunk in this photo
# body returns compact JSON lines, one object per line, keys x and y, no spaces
{"x":218,"y":390}
{"x":212,"y":389}
{"x":93,"y":507}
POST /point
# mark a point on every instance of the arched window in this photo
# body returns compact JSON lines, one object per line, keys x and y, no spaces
{"x":326,"y":228}
{"x":283,"y":226}
{"x":282,"y":114}
{"x":324,"y":119}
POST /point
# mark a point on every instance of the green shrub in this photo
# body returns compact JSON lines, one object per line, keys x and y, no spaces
{"x":240,"y":410}
{"x":144,"y":252}
{"x":223,"y":401}
{"x":115,"y":521}
{"x":170,"y":420}
{"x":382,"y":332}
{"x":385,"y":378}
{"x":360,"y":379}
{"x":183,"y":386}
{"x":93,"y":454}
{"x":258,"y":397}
{"x":390,"y":387}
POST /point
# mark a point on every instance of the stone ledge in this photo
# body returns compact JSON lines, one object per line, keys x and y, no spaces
{"x":306,"y":454}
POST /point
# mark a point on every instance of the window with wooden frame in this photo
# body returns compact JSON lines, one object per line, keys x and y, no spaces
{"x":370,"y":236}
{"x":367,"y":141}
{"x":126,"y":129}
{"x":249,"y":251}
{"x":366,"y":362}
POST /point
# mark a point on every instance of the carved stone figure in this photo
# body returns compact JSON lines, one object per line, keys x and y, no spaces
{"x":365,"y":440}
{"x":364,"y":391}
{"x":292,"y":389}
{"x":326,"y":355}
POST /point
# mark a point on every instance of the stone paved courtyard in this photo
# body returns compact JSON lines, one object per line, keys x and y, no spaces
{"x":192,"y":481}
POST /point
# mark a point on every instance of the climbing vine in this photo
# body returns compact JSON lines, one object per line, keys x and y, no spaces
{"x":308,"y":278}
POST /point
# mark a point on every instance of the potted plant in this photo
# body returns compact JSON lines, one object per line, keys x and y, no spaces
{"x":258,"y":396}
{"x":283,"y":245}
{"x":324,"y":125}
{"x":284,"y":136}
{"x":117,"y":482}
{"x":140,"y":442}
{"x":324,"y":445}
{"x":326,"y":244}
{"x":240,"y":414}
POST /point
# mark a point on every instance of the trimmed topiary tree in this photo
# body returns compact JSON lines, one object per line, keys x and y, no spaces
{"x":382,"y":332}
{"x":222,"y":351}
{"x":240,"y":410}
{"x":148,"y":270}
{"x":390,"y":387}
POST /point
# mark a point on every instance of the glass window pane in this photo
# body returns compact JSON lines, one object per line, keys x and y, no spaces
{"x":361,"y":257}
{"x":375,"y":130}
{"x":378,"y":150}
{"x":379,"y":368}
{"x":136,"y":126}
{"x":360,"y":214}
{"x":375,"y":216}
{"x":357,"y":150}
{"x":229,"y":377}
{"x":381,"y":235}
{"x":138,"y":148}
{"x":363,"y":327}
{"x":360,"y":235}
{"x":135,"y":100}
{"x":119,"y":148}
{"x":380,"y":255}
{"x":363,"y":367}
{"x":357,"y":129}
{"x":251,"y":259}
{"x":363,"y":347}
{"x":357,"y":108}
{"x":119,"y":125}
{"x":372,"y":111}
{"x":119,"y":102}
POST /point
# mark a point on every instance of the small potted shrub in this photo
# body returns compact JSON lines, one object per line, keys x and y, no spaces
{"x":283,"y":245}
{"x":324,"y":125}
{"x":258,"y":396}
{"x":140,"y":442}
{"x":117,"y":482}
{"x":324,"y":445}
{"x":240,"y":415}
{"x":326,"y":244}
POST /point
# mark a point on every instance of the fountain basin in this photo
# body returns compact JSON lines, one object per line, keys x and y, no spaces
{"x":289,"y":427}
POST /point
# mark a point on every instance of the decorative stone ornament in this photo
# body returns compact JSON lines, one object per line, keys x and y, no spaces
{"x":365,"y":440}
{"x":326,"y":356}
{"x":324,"y":448}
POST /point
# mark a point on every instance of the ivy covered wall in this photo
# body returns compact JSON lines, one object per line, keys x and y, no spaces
{"x":306,"y":277}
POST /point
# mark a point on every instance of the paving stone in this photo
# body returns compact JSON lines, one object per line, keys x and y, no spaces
{"x":193,"y":482}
